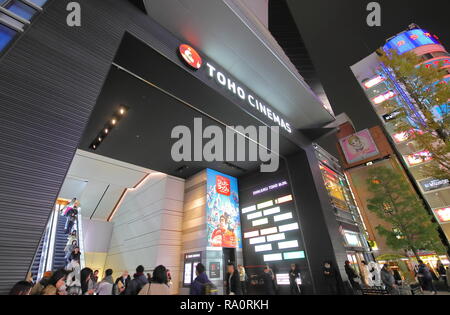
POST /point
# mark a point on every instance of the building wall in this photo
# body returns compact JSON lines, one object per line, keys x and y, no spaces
{"x":49,"y":83}
{"x":148,"y":228}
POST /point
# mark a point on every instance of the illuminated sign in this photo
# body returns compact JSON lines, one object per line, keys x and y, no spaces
{"x":443,"y":214}
{"x":418,"y":158}
{"x":273,"y":257}
{"x":294,"y":255}
{"x":243,"y":94}
{"x":444,"y":61}
{"x":222,"y":185}
{"x":410,"y":40}
{"x":375,"y":81}
{"x":391,"y":116}
{"x":222,"y":211}
{"x":400,"y":137}
{"x":433,"y":184}
{"x":190,"y":56}
{"x":383,"y":97}
{"x":359,"y":146}
{"x":352,"y":238}
{"x":270,"y":187}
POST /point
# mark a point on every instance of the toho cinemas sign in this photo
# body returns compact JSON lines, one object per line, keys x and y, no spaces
{"x":193,"y":59}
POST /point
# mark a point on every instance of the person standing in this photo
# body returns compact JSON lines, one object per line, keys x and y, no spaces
{"x":40,"y":285}
{"x":329,"y":274}
{"x":87,"y":285}
{"x":202,"y":285}
{"x":243,"y":279}
{"x":427,"y":278}
{"x":71,"y":218}
{"x":159,"y":284}
{"x":233,"y":283}
{"x":388,"y":280}
{"x":138,"y":282}
{"x":442,"y":272}
{"x":123,"y":282}
{"x":267,"y":278}
{"x":352,"y":276}
{"x":57,"y":284}
{"x":365,"y":273}
{"x":294,"y":274}
{"x":106,"y":286}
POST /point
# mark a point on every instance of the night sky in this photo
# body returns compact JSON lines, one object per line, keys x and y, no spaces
{"x":337,"y":36}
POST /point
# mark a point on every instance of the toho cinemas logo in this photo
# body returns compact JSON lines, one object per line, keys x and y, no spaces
{"x":190,"y":56}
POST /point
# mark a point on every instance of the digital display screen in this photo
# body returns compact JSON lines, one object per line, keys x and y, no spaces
{"x":222,"y":211}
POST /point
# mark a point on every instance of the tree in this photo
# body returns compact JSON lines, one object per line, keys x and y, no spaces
{"x":395,"y":203}
{"x":430,"y":93}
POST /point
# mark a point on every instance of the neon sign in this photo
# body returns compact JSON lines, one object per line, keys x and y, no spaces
{"x":270,"y":188}
{"x":443,"y":214}
{"x":418,"y":158}
{"x":384,"y":97}
{"x":410,"y":40}
{"x":374,"y":81}
{"x":250,"y":99}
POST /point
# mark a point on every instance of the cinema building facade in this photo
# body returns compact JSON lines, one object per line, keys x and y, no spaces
{"x":88,"y":112}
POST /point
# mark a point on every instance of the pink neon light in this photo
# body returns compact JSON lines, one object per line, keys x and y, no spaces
{"x":383,"y":97}
{"x":372,"y":82}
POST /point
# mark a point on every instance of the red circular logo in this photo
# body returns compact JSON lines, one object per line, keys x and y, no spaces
{"x":191,"y":56}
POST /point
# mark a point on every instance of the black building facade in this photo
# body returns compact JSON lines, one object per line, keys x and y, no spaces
{"x":59,"y":83}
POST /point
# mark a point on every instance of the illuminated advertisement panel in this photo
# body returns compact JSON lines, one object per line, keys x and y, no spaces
{"x":359,"y":147}
{"x":222,"y":211}
{"x":410,"y":40}
{"x":443,"y":214}
{"x":418,"y":158}
{"x":433,"y":184}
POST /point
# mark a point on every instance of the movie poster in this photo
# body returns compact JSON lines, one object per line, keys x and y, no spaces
{"x":222,"y":211}
{"x":358,"y":147}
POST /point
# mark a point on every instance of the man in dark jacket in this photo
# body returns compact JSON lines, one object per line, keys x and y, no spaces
{"x":233,"y":282}
{"x":329,"y":274}
{"x":199,"y":284}
{"x":351,"y":274}
{"x":427,"y":278}
{"x":294,"y":274}
{"x":138,"y":282}
{"x":71,"y":218}
{"x":124,"y":280}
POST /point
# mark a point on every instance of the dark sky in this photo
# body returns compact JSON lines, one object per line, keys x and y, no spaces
{"x":337,"y":36}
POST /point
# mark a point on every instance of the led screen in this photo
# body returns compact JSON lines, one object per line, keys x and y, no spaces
{"x":222,"y":211}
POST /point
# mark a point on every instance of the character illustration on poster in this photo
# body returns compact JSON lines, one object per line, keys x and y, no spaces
{"x":223,"y":221}
{"x":359,"y":146}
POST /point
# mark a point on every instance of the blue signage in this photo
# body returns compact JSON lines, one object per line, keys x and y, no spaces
{"x":410,"y":40}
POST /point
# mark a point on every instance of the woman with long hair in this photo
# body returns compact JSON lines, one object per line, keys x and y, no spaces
{"x":159,"y":284}
{"x":87,"y":285}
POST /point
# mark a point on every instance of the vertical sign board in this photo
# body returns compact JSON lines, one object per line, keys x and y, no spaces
{"x":214,"y":270}
{"x":190,"y":262}
{"x":222,"y":211}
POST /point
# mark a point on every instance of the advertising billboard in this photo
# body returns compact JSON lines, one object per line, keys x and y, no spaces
{"x":222,"y":211}
{"x":410,"y":40}
{"x":359,"y":147}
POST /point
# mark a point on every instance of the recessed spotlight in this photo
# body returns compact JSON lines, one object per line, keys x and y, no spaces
{"x":122,"y":111}
{"x":113,"y":121}
{"x":100,"y":139}
{"x":106,"y":131}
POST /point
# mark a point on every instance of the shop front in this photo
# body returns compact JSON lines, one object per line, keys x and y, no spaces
{"x":164,"y":79}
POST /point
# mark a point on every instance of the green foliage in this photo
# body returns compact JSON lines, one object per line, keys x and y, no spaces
{"x":427,"y":90}
{"x":395,"y":203}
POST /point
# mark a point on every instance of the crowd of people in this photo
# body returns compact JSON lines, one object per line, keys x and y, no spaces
{"x":372,"y":276}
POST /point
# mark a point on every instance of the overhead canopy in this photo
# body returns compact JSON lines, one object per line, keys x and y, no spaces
{"x":229,"y":34}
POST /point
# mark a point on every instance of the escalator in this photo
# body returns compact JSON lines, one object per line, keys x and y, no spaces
{"x":50,"y":255}
{"x":60,"y":243}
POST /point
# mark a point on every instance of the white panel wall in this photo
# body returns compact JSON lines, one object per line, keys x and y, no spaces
{"x":147,"y":228}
